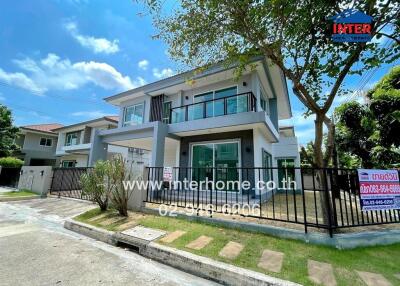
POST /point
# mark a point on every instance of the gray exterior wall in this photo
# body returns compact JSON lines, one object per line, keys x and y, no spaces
{"x":33,"y":150}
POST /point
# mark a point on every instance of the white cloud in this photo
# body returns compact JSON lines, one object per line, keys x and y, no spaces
{"x":54,"y":73}
{"x":89,"y":114}
{"x":143,"y":64}
{"x":41,"y":116}
{"x":20,"y":80}
{"x":97,"y":45}
{"x":167,"y":72}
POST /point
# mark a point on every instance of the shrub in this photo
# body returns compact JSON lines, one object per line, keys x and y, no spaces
{"x":120,"y":172}
{"x":96,"y":184}
{"x":11,"y":162}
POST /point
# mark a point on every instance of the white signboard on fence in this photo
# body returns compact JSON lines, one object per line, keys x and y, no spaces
{"x":379,"y":189}
{"x":167,"y":174}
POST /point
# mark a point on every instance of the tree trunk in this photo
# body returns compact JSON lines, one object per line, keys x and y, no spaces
{"x":322,"y":174}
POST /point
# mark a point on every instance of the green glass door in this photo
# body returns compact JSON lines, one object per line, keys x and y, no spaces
{"x":285,"y":171}
{"x":202,"y":162}
{"x":216,"y":161}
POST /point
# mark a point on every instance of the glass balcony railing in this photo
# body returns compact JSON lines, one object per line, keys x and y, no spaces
{"x":237,"y":103}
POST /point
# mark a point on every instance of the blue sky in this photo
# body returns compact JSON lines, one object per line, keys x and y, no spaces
{"x":59,"y":59}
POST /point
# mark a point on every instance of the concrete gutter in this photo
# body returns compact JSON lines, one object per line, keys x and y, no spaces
{"x":204,"y":267}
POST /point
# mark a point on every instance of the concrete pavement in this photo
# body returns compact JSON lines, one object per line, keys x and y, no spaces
{"x":35,"y":249}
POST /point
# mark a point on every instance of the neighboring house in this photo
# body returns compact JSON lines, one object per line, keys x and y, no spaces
{"x":38,"y":144}
{"x":75,"y":143}
{"x":209,"y":121}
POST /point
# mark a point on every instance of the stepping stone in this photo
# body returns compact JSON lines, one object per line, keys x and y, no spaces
{"x":271,"y":261}
{"x":111,"y":220}
{"x":321,"y":273}
{"x":373,"y":279}
{"x":100,"y":216}
{"x":231,"y":250}
{"x":397,"y":276}
{"x":199,"y":243}
{"x":127,"y":225}
{"x":144,"y":233}
{"x":171,"y":237}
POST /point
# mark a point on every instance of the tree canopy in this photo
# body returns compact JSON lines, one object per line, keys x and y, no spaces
{"x":8,"y":132}
{"x":371,"y":131}
{"x":291,"y":34}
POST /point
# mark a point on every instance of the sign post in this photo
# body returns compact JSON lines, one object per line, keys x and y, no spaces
{"x":379,"y":189}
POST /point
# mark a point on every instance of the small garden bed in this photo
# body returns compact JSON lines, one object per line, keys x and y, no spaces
{"x":18,"y":193}
{"x":345,"y":263}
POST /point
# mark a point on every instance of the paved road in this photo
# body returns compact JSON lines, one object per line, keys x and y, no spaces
{"x":35,"y":249}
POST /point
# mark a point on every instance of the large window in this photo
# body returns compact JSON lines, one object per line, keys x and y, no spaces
{"x":68,"y":164}
{"x":286,"y":171}
{"x":133,"y":115}
{"x":47,"y":142}
{"x":266,"y":164}
{"x":217,"y":161}
{"x":72,"y":138}
{"x":166,"y":111}
{"x":217,"y":106}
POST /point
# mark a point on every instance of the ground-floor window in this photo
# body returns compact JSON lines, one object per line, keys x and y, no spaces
{"x":217,"y":161}
{"x":68,"y":164}
{"x":286,"y":170}
{"x":266,"y":164}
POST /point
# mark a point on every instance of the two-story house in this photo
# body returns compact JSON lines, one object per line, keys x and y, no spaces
{"x":208,"y":122}
{"x":75,"y":144}
{"x":38,"y":144}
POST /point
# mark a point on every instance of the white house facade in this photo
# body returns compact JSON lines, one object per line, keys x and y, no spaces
{"x":207,"y":120}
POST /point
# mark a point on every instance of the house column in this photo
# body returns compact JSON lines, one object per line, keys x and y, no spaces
{"x":98,"y":150}
{"x":157,"y":151}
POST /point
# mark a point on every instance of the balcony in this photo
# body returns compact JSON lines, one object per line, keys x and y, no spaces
{"x":74,"y":149}
{"x":238,"y":103}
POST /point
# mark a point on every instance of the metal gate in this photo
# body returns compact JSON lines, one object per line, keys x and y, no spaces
{"x":66,"y":182}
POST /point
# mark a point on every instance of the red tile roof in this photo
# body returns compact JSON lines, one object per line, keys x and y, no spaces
{"x":44,"y":127}
{"x":115,"y":118}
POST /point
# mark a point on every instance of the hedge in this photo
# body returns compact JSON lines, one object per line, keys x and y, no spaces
{"x":11,"y":162}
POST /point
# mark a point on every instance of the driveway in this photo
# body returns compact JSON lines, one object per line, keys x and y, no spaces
{"x":35,"y":249}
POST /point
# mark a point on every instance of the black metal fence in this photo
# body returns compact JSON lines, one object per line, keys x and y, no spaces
{"x":319,"y":198}
{"x":9,"y":176}
{"x":66,"y":182}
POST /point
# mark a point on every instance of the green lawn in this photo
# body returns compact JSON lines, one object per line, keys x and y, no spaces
{"x":382,"y":259}
{"x":21,"y":193}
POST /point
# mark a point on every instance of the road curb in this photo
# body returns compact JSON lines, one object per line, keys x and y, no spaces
{"x":90,"y":231}
{"x":204,"y":267}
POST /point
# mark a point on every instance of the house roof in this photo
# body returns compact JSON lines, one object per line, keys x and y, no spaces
{"x":47,"y":128}
{"x":110,"y":118}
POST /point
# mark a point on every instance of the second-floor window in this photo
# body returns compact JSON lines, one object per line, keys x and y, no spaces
{"x":47,"y":142}
{"x":166,"y":111}
{"x":72,"y":139}
{"x":133,"y":114}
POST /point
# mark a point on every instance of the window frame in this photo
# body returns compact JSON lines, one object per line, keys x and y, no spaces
{"x":167,"y":119}
{"x":77,"y":133}
{"x":68,"y":161}
{"x":46,"y":140}
{"x":129,"y":123}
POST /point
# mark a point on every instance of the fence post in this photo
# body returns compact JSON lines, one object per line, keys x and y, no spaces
{"x":304,"y":200}
{"x":328,"y":203}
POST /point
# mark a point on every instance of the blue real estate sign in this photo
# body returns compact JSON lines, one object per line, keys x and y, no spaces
{"x":379,"y":189}
{"x":351,"y":26}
